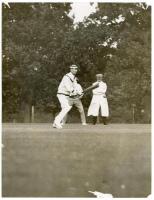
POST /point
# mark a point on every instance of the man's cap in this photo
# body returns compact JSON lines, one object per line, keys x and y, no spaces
{"x":99,"y":75}
{"x":73,"y":67}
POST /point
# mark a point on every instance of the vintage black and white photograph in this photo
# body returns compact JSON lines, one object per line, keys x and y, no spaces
{"x":76,"y":99}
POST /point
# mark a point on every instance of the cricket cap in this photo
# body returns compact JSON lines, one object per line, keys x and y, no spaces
{"x":99,"y":75}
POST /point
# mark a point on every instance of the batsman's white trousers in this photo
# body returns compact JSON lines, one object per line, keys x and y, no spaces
{"x":78,"y":104}
{"x":65,"y":108}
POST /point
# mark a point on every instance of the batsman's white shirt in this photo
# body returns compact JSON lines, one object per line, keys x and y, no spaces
{"x":99,"y":101}
{"x":78,"y":89}
{"x":66,"y":87}
{"x":67,"y":84}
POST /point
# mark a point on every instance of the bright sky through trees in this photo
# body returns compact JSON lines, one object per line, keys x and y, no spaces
{"x":81,"y":10}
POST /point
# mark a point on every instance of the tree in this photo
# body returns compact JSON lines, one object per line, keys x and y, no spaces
{"x":38,"y":49}
{"x":129,"y":68}
{"x":32,"y":49}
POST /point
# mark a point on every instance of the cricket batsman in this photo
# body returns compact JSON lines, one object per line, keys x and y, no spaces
{"x":69,"y":88}
{"x":76,"y":101}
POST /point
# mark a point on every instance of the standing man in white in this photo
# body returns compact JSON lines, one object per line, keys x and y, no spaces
{"x":99,"y":101}
{"x":66,"y":89}
{"x":77,"y":103}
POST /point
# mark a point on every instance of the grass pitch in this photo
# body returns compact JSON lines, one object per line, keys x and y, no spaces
{"x":39,"y":161}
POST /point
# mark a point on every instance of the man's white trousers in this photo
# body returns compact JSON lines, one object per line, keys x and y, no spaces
{"x":65,"y":108}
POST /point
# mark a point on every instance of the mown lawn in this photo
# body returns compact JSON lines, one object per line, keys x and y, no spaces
{"x":39,"y":161}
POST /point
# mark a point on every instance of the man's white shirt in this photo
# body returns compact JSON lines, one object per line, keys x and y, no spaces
{"x":66,"y":86}
{"x":69,"y":85}
{"x":78,"y":89}
{"x":101,"y":89}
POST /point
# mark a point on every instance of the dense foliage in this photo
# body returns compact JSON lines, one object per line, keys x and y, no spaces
{"x":40,"y":42}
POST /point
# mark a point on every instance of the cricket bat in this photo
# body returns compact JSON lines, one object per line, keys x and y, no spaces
{"x":91,"y":88}
{"x":85,"y":91}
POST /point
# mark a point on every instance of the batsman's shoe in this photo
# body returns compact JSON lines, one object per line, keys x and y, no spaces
{"x":55,"y":125}
{"x":84,"y":124}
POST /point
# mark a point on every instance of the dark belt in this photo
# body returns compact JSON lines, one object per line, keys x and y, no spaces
{"x":64,"y":94}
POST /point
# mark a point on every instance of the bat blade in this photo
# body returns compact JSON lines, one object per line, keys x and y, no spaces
{"x":91,"y":88}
